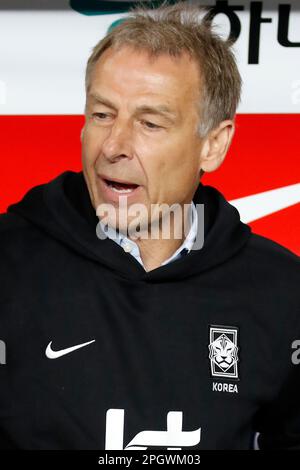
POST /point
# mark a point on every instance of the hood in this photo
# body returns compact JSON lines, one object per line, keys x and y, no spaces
{"x":62,"y":210}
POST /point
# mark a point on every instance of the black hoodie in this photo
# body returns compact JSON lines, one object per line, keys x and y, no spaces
{"x":198,"y":354}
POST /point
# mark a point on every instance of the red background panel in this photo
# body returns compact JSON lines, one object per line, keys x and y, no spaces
{"x":264,"y":155}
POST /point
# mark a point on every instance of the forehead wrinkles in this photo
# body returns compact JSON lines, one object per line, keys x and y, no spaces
{"x":128,"y":68}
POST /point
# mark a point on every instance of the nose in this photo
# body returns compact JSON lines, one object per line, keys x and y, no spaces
{"x":118,"y":142}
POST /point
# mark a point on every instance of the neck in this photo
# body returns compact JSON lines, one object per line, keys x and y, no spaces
{"x":154,"y":251}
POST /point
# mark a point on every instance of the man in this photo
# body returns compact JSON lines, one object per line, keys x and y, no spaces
{"x":119,"y":340}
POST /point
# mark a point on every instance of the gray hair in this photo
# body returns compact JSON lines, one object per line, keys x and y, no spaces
{"x":174,"y":29}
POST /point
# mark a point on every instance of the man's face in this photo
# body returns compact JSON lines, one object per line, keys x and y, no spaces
{"x":141,"y":128}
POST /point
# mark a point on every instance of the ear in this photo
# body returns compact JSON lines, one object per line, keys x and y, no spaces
{"x":216,"y":145}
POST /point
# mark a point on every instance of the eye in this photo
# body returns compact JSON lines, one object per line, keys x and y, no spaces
{"x":151,"y":125}
{"x":100,"y":116}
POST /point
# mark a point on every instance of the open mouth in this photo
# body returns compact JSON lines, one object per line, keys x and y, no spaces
{"x":120,"y":187}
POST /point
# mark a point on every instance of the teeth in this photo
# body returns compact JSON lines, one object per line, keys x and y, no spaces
{"x":117,"y":190}
{"x":121,"y":190}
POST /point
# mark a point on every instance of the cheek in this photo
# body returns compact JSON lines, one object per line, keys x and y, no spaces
{"x":178,"y":164}
{"x":91,"y":146}
{"x":170,"y":167}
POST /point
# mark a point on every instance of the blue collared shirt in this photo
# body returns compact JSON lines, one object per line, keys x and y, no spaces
{"x":131,"y":247}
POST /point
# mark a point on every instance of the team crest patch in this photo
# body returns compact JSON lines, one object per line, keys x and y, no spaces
{"x":223,"y":351}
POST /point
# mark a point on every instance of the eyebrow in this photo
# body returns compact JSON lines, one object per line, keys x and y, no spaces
{"x":100,"y":99}
{"x":160,"y":109}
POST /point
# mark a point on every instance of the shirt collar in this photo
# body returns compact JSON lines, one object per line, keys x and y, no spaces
{"x":191,"y":236}
{"x":131,"y":247}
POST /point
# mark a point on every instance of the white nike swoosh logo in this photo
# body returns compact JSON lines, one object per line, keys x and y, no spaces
{"x":55,"y":354}
{"x":259,"y":205}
